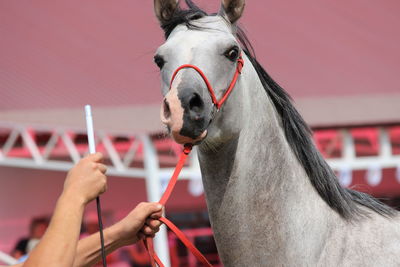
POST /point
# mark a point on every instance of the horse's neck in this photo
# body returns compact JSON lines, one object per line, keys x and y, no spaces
{"x":261,"y":203}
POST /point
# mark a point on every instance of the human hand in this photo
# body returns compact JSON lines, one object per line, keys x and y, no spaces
{"x":87,"y":179}
{"x":142,"y":221}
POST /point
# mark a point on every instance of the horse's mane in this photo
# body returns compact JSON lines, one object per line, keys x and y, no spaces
{"x":299,"y":136}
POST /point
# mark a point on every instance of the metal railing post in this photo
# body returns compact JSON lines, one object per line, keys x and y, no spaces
{"x":153,"y":187}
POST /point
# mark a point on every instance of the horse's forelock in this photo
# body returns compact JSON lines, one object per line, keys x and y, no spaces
{"x":183,"y":16}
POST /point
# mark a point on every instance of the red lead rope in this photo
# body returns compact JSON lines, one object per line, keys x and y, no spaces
{"x":148,"y":242}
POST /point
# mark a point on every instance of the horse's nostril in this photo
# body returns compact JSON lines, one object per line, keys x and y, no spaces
{"x":166,"y":109}
{"x":196,"y":104}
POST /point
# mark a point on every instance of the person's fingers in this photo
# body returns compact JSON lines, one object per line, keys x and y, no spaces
{"x":146,"y":209}
{"x":104,"y":189}
{"x":154,"y":208}
{"x":156,"y":215}
{"x":96,"y":157}
{"x":153,"y":224}
{"x":147,"y":230}
{"x":102,"y":167}
{"x":145,"y":236}
{"x":99,"y":185}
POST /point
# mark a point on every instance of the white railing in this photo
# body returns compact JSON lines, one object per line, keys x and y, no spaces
{"x":62,"y":148}
{"x":143,"y":156}
{"x":383,"y":158}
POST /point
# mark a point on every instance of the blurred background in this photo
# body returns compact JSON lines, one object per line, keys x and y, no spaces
{"x":340,"y":61}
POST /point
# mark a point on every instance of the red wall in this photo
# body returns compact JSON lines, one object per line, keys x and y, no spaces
{"x":58,"y":54}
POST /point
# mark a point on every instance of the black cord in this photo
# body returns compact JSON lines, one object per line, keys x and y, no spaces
{"x":103,"y":250}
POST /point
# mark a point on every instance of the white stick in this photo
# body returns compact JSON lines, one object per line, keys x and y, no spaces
{"x":89,"y":128}
{"x":7,"y":259}
{"x":92,"y":150}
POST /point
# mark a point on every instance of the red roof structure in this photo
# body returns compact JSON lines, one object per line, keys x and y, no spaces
{"x":62,"y":55}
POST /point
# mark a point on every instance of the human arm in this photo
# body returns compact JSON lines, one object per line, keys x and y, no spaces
{"x":141,"y":221}
{"x":84,"y":182}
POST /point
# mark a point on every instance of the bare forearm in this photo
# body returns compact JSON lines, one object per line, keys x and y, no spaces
{"x":125,"y":232}
{"x":58,"y":245}
{"x":89,"y":249}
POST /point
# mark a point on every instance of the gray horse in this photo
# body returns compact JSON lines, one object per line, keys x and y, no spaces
{"x":272,"y":199}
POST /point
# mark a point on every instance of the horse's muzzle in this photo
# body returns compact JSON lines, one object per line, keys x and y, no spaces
{"x":185,"y":116}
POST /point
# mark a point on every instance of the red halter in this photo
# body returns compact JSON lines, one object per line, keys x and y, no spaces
{"x":218,"y":104}
{"x":148,"y":242}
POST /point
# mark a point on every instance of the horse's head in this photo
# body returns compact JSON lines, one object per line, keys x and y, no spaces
{"x":209,"y":44}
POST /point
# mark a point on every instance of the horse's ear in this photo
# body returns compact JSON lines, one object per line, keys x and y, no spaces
{"x":164,"y":9}
{"x":232,"y":9}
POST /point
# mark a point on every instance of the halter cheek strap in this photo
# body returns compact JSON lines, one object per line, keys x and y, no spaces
{"x":218,"y":104}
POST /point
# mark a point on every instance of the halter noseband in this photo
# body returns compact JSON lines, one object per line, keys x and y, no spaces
{"x":218,"y":104}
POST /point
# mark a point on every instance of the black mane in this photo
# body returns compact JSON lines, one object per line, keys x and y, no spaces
{"x":299,"y":136}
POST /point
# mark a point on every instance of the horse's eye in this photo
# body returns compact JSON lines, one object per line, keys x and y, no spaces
{"x":159,"y":61}
{"x":233,"y":53}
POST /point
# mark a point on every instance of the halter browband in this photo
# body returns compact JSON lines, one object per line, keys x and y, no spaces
{"x":218,"y":104}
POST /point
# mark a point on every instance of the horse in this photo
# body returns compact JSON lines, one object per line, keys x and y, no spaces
{"x":272,"y":198}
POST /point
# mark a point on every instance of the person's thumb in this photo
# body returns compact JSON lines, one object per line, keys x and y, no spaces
{"x":151,"y":209}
